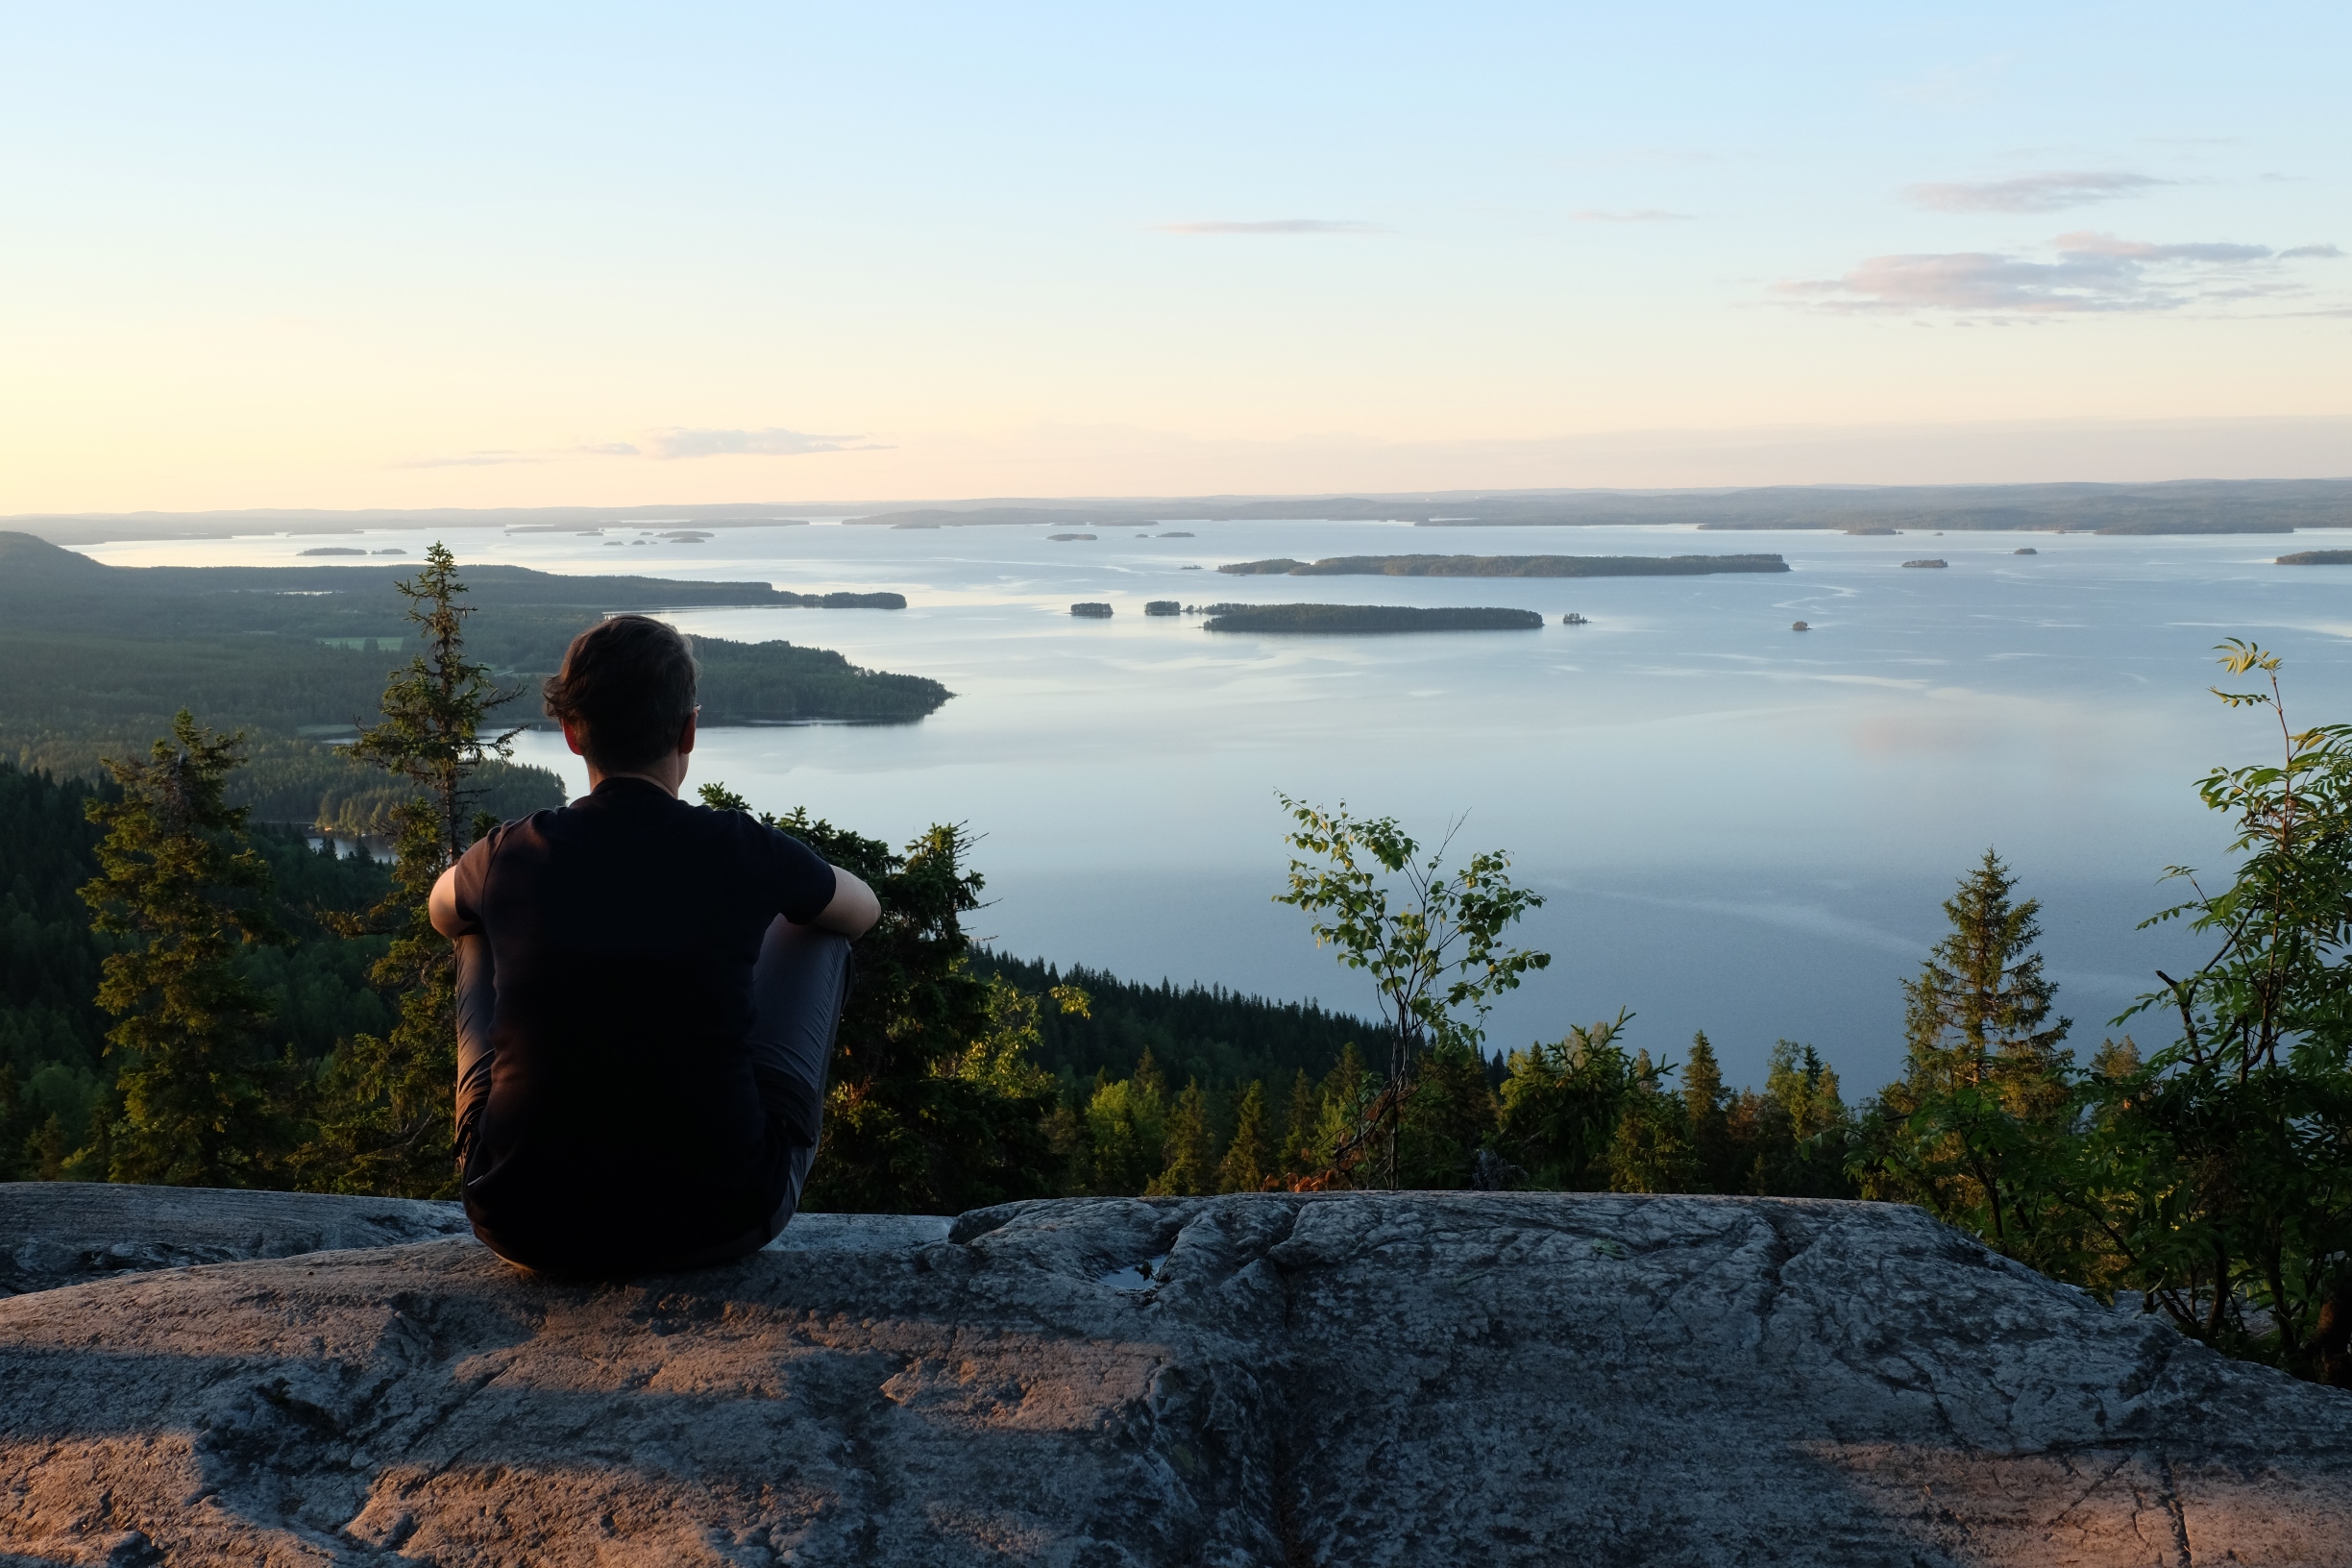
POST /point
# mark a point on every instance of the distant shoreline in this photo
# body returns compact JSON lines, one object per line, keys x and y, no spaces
{"x":2188,"y":506}
{"x":1507,"y":566}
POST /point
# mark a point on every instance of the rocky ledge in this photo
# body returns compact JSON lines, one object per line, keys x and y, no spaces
{"x":1342,"y":1380}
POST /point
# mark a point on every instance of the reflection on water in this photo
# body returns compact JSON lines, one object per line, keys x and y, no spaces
{"x":1741,"y":828}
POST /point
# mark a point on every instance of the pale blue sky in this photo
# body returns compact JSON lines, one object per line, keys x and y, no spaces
{"x":307,"y":256}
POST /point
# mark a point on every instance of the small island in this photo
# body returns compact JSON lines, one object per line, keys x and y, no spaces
{"x":1864,"y":533}
{"x":1065,"y":538}
{"x":1346,"y":618}
{"x":1176,"y":533}
{"x":1572,"y":618}
{"x":2317,"y":557}
{"x":842,"y":602}
{"x":332,"y":549}
{"x":1799,"y":625}
{"x":1929,"y":561}
{"x":1091,"y":611}
{"x":1162,"y":606}
{"x":1507,"y":566}
{"x":2025,"y":549}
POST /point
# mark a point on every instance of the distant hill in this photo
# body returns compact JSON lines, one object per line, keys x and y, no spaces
{"x":27,"y":562}
{"x":94,"y":660}
{"x":2183,"y":507}
{"x":2186,"y":506}
{"x":1220,"y":1037}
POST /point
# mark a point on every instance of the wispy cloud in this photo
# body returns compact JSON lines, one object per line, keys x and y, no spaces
{"x":1273,"y":226}
{"x":2091,"y":273}
{"x":2034,"y":192}
{"x":607,"y":449}
{"x":2310,"y":252}
{"x":1645,"y":214}
{"x":765,"y":443}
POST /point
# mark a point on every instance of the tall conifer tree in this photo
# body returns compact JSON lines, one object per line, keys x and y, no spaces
{"x":179,"y":880}
{"x":1710,"y":1131}
{"x":1192,"y":1153}
{"x":387,"y":1124}
{"x":1300,"y":1156}
{"x":1247,"y":1161}
{"x":1984,"y":1097}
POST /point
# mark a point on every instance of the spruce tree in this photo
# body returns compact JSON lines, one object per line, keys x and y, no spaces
{"x":1192,"y":1154}
{"x":1650,"y":1150}
{"x":1703,"y":1102}
{"x":434,"y":713}
{"x":1299,"y":1154}
{"x":1448,"y":1119}
{"x":182,"y":887}
{"x":1979,"y":1013}
{"x":1970,"y":1129}
{"x":1247,"y":1162}
{"x":1342,"y":1121}
{"x":386,"y":1122}
{"x":1798,"y":1157}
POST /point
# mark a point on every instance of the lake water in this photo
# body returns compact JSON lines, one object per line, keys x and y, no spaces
{"x":1739,"y":827}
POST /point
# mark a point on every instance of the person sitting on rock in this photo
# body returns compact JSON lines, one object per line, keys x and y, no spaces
{"x":648,"y":992}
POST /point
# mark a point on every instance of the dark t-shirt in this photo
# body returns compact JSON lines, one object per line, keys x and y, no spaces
{"x":622,"y":1115}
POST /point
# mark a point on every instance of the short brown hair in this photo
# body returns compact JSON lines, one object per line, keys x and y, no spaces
{"x":626,"y":688}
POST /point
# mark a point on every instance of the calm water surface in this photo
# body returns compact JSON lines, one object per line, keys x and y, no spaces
{"x":1739,"y":827}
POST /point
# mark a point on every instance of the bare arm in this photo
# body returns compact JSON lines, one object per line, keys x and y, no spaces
{"x":854,"y":908}
{"x":441,"y":906}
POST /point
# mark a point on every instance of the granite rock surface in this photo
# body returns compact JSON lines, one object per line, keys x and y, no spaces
{"x":60,"y":1233}
{"x":1336,"y":1380}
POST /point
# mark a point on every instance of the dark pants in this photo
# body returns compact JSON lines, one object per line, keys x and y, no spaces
{"x":798,"y":987}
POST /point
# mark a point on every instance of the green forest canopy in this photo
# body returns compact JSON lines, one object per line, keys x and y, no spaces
{"x":52,"y":1031}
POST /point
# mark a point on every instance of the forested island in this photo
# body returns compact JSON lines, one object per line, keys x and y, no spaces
{"x":1507,"y":566}
{"x":1361,"y":618}
{"x":94,"y":660}
{"x":2317,"y":557}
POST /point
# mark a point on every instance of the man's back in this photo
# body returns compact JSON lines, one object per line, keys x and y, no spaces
{"x":625,"y":1118}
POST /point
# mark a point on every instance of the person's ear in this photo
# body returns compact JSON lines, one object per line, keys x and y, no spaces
{"x":686,"y":732}
{"x":571,"y":738}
